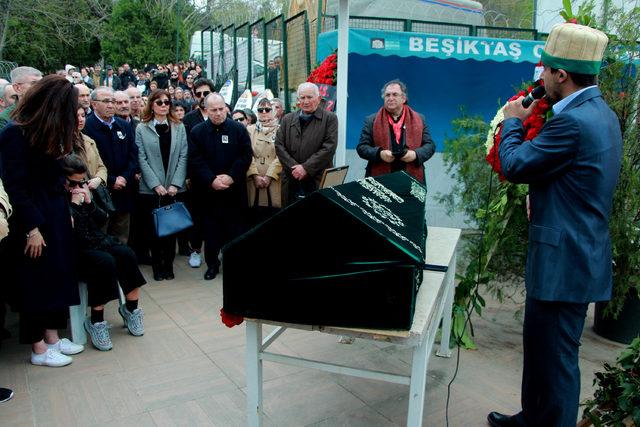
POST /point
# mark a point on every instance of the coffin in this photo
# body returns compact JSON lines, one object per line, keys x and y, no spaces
{"x":350,"y":255}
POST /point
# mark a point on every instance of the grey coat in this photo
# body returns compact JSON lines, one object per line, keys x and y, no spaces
{"x":150,"y":158}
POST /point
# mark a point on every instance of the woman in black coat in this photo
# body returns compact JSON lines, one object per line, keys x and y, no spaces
{"x":40,"y":263}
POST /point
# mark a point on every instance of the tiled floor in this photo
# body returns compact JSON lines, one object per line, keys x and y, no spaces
{"x":188,"y":370}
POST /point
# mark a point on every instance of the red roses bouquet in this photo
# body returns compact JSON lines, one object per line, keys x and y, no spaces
{"x":326,"y":72}
{"x":532,"y":126}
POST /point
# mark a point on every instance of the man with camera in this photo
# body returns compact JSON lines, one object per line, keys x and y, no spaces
{"x":396,"y":138}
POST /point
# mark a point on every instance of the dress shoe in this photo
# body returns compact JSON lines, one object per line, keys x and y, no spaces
{"x":497,"y":419}
{"x":168,"y":274}
{"x":211,"y":273}
{"x":158,"y":273}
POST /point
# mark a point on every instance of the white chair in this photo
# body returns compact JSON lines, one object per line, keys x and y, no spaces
{"x":77,"y":314}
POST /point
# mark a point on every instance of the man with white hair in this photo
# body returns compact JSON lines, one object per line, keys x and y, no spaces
{"x":117,"y":147}
{"x":21,"y":80}
{"x":7,"y":96}
{"x":123,"y":109}
{"x":306,"y":142}
{"x":135,"y":102}
{"x":84,"y":98}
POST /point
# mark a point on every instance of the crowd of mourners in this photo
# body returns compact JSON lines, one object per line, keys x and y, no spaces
{"x":87,"y":156}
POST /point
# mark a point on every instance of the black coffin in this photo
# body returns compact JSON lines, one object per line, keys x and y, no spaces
{"x":350,"y":255}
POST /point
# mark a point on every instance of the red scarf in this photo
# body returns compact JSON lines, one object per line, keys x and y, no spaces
{"x":413,"y":127}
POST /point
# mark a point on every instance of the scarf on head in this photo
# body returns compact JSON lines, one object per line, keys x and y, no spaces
{"x":413,"y":126}
{"x":267,"y":126}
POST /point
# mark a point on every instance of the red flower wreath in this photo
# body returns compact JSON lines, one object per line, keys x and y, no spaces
{"x":326,"y":72}
{"x":532,"y":126}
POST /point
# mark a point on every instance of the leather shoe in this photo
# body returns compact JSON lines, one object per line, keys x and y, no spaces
{"x":497,"y":419}
{"x":168,"y":275}
{"x":211,"y":273}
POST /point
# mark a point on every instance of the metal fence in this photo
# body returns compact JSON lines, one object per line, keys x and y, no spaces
{"x":279,"y":54}
{"x":5,"y":69}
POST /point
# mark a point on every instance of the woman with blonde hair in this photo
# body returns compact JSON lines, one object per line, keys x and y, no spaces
{"x":85,"y":147}
{"x":263,"y":176}
{"x":162,"y":155}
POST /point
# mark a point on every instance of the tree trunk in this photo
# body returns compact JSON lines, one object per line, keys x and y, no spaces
{"x":5,"y":11}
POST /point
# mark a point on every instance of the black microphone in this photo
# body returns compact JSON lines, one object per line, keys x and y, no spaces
{"x":536,"y":93}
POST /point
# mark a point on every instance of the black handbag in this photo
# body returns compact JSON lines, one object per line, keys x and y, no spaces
{"x":171,"y":219}
{"x":102,"y":199}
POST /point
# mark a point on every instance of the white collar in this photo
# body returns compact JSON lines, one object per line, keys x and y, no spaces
{"x":165,"y":122}
{"x":562,"y":104}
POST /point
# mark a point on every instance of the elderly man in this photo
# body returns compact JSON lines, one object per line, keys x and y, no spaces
{"x":219,"y":156}
{"x":84,"y":98}
{"x":116,"y":145}
{"x":7,"y":96}
{"x":123,"y":110}
{"x":572,"y":168}
{"x":135,"y":102}
{"x":396,"y":138}
{"x":21,"y":79}
{"x":306,"y":142}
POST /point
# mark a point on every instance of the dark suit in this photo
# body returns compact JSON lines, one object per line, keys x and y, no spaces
{"x":572,"y":168}
{"x":214,"y":150}
{"x":118,"y":150}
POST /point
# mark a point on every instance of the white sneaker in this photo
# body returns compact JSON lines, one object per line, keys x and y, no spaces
{"x":195,"y":259}
{"x":50,"y":358}
{"x":67,"y":347}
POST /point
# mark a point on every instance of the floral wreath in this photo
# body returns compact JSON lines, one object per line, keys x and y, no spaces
{"x":532,"y":125}
{"x":327,"y":72}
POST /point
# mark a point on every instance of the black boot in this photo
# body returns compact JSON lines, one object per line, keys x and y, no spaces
{"x":158,"y":273}
{"x":168,"y":271}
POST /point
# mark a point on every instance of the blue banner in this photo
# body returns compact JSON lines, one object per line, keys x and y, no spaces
{"x":405,"y":44}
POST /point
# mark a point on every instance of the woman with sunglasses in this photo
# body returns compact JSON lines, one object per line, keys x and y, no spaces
{"x":240,"y":116}
{"x":263,"y":176}
{"x":39,"y":264}
{"x":104,"y":263}
{"x":162,"y":155}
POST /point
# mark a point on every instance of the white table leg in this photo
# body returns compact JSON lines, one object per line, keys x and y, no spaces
{"x":444,"y":350}
{"x":418,"y":384}
{"x":254,"y":373}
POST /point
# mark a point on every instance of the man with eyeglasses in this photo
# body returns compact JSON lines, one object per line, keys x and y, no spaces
{"x":22,"y":78}
{"x":116,"y":144}
{"x":396,"y":138}
{"x":203,"y":87}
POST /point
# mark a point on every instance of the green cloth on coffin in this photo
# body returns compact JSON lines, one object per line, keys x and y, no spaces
{"x":350,"y":255}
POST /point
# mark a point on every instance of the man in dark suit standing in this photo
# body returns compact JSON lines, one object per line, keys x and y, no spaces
{"x":219,"y":156}
{"x":117,"y":147}
{"x":572,"y":168}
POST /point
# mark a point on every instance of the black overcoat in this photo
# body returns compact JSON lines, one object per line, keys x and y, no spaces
{"x":34,"y":182}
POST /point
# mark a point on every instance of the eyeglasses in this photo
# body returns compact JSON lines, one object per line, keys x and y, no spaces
{"x":202,"y":94}
{"x":264,"y":110}
{"x":160,"y":102}
{"x":240,"y":119}
{"x":73,"y":184}
{"x":174,"y":75}
{"x":107,"y":101}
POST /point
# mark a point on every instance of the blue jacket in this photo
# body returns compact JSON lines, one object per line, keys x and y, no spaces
{"x":572,"y":169}
{"x":118,"y":150}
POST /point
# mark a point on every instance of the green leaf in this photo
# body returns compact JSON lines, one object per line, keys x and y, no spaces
{"x":567,"y":7}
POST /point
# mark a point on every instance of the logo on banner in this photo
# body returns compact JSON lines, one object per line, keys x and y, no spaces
{"x":377,"y":43}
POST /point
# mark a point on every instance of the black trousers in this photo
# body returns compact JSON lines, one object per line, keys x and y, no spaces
{"x":163,"y":249}
{"x":32,"y":325}
{"x":104,"y":269}
{"x":551,"y":376}
{"x":221,"y":225}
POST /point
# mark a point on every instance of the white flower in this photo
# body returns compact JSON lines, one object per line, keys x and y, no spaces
{"x":493,"y":126}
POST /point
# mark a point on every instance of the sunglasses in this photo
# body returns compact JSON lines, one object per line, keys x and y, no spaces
{"x":73,"y":184}
{"x":202,"y":94}
{"x":240,"y":119}
{"x":264,"y":110}
{"x":160,"y":103}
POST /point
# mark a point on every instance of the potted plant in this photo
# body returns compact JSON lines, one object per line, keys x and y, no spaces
{"x":616,"y":400}
{"x":620,"y":85}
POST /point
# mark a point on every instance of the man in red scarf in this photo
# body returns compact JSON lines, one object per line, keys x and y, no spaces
{"x":396,"y":138}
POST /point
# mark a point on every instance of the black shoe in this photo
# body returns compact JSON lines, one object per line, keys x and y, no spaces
{"x":5,"y":394}
{"x":211,"y":273}
{"x":168,"y":275}
{"x":158,"y":274}
{"x":497,"y":419}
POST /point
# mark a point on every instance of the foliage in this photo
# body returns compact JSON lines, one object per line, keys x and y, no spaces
{"x":619,"y":83}
{"x":495,"y":257}
{"x":47,"y":34}
{"x":617,"y":395}
{"x":143,"y":32}
{"x":227,"y":12}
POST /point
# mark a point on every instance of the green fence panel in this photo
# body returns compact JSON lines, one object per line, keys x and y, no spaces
{"x":243,"y":58}
{"x":258,"y":55}
{"x":507,"y":33}
{"x":377,"y":23}
{"x":298,"y":53}
{"x":274,"y":30}
{"x":441,"y":28}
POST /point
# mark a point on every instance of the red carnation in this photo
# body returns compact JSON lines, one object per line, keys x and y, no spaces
{"x":230,"y":320}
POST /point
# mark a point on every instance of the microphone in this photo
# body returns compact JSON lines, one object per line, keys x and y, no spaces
{"x":536,"y":93}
